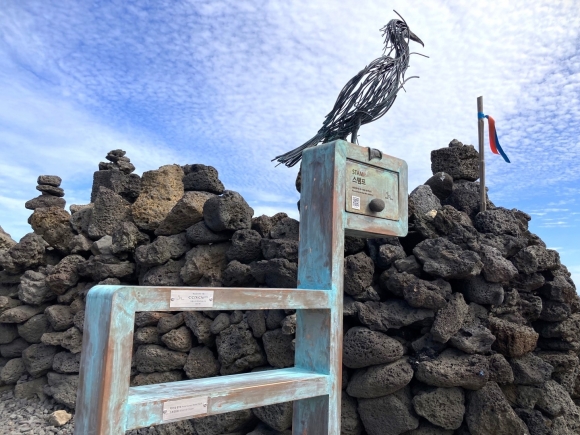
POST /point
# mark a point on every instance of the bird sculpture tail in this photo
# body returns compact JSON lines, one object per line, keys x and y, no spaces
{"x":294,"y":156}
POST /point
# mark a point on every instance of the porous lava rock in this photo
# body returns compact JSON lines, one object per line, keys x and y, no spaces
{"x":161,"y":189}
{"x":458,"y":160}
{"x":440,"y":257}
{"x":108,"y":211}
{"x":187,"y":212}
{"x":227,"y":212}
{"x":468,"y":325}
{"x":204,"y":178}
{"x":53,"y":225}
{"x":441,"y":185}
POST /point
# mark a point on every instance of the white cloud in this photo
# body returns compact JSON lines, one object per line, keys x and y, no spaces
{"x":232,"y":84}
{"x":563,"y":202}
{"x":555,"y":210}
{"x":560,"y":224}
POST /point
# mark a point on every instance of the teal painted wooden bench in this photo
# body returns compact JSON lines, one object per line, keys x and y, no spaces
{"x":339,"y":183}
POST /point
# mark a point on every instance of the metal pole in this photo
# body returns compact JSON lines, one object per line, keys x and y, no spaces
{"x":480,"y":125}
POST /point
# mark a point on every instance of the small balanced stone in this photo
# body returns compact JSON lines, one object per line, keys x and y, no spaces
{"x":45,"y":201}
{"x":118,"y":162}
{"x":115,"y":155}
{"x":49,"y":180}
{"x":47,"y":189}
{"x":52,"y":194}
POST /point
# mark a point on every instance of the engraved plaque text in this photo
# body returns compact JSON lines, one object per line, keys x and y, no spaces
{"x":365,"y":183}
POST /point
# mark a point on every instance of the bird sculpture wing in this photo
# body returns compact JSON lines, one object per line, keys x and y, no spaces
{"x":368,"y":95}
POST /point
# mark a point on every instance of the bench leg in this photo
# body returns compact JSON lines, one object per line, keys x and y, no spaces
{"x":105,"y":362}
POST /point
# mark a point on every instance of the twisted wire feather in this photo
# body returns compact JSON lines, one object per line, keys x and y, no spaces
{"x":367,"y":96}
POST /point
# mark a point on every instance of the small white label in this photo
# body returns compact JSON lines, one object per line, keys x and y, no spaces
{"x":184,"y":408}
{"x":191,"y":298}
{"x":356,"y":202}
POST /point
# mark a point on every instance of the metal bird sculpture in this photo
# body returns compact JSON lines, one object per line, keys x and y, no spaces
{"x":368,"y":95}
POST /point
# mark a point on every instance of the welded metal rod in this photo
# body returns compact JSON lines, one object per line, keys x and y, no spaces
{"x":480,"y":126}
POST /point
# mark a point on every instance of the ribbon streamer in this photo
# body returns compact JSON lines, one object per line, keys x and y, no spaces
{"x":493,"y":140}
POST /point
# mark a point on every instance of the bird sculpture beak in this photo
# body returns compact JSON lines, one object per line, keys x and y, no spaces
{"x":415,"y":38}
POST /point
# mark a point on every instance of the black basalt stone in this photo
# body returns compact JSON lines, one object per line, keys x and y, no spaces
{"x":126,"y":185}
{"x":45,"y":201}
{"x":358,"y":273}
{"x":237,"y":274}
{"x":246,"y":246}
{"x":278,"y":348}
{"x":441,"y":185}
{"x":50,"y":190}
{"x":115,"y":155}
{"x":466,"y":198}
{"x":499,"y":221}
{"x":49,"y":180}
{"x":388,"y":415}
{"x":380,"y":380}
{"x":392,"y":314}
{"x":286,"y":228}
{"x":422,"y":200}
{"x":459,"y":161}
{"x":440,"y":257}
{"x":276,"y":273}
{"x":536,"y":258}
{"x":478,"y":290}
{"x":227,"y":212}
{"x":263,"y":224}
{"x":200,"y":234}
{"x":238,"y":350}
{"x":363,"y":347}
{"x":280,"y":248}
{"x":202,"y":178}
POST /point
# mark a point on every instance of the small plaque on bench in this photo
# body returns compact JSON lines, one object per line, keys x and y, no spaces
{"x":191,"y":299}
{"x":184,"y":408}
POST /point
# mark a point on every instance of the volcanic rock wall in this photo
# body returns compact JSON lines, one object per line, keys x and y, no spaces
{"x":468,"y":325}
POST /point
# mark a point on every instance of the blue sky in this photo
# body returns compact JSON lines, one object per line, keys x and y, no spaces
{"x":232,"y":84}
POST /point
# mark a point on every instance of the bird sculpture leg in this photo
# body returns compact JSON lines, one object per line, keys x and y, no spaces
{"x":355,"y":128}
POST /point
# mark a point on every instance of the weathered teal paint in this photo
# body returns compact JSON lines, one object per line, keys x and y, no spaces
{"x":321,"y":265}
{"x":324,"y":220}
{"x":364,"y":225}
{"x":104,"y":375}
{"x":157,"y":298}
{"x":107,"y":406}
{"x":105,"y":403}
{"x":226,"y":393}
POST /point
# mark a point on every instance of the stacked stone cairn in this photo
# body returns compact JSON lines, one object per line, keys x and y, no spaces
{"x":51,"y":193}
{"x":468,"y":325}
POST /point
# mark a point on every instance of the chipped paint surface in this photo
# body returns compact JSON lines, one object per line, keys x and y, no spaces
{"x":158,"y":298}
{"x":321,"y":265}
{"x":358,"y":225}
{"x":107,"y":406}
{"x":104,"y":375}
{"x":105,"y":403}
{"x":225,"y":393}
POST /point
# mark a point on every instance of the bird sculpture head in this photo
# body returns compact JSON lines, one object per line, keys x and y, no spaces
{"x":397,"y":35}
